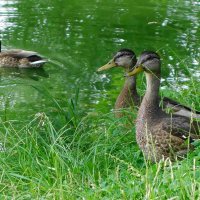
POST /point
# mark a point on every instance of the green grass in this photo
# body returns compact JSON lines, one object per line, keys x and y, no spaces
{"x":97,"y":159}
{"x":90,"y":157}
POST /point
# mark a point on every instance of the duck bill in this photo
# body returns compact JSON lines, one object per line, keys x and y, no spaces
{"x":136,"y":70}
{"x":109,"y":65}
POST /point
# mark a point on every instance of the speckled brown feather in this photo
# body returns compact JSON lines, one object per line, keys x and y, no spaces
{"x":20,"y":58}
{"x":160,"y":135}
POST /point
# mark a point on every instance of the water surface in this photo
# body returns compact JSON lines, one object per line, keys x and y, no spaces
{"x":80,"y":36}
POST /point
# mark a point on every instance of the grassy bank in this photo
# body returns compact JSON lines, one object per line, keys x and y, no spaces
{"x":97,"y":159}
{"x":89,"y":157}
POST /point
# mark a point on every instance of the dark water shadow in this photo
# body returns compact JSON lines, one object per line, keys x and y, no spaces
{"x":29,"y":73}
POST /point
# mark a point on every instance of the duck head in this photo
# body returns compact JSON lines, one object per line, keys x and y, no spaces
{"x":148,"y":62}
{"x":125,"y":58}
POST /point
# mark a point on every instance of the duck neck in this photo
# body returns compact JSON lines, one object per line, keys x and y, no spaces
{"x":153,"y":85}
{"x":128,"y":95}
{"x":130,"y":87}
{"x":130,"y":83}
{"x":150,"y":102}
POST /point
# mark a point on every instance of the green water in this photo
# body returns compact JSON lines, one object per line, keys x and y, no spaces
{"x":78,"y":37}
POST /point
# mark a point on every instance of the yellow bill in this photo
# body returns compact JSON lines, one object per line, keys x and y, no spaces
{"x":109,"y":65}
{"x":136,"y":70}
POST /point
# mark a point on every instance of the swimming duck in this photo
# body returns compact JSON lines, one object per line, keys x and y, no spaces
{"x":128,"y":97}
{"x":160,"y":135}
{"x":20,"y":58}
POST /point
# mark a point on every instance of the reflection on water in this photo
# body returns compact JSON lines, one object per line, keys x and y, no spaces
{"x":34,"y":74}
{"x":78,"y":37}
{"x":7,"y":11}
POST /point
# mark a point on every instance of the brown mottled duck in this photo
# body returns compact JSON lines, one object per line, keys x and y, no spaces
{"x":160,"y":135}
{"x":129,"y":96}
{"x":20,"y":58}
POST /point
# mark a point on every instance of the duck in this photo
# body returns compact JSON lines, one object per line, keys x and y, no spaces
{"x":19,"y":58}
{"x":160,"y":135}
{"x":129,"y":97}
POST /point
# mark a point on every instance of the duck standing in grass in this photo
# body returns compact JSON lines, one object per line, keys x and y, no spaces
{"x":129,"y":97}
{"x":21,"y":59}
{"x":160,"y":135}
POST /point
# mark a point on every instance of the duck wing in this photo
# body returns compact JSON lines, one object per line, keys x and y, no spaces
{"x":19,"y":54}
{"x":180,"y":109}
{"x":182,"y":127}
